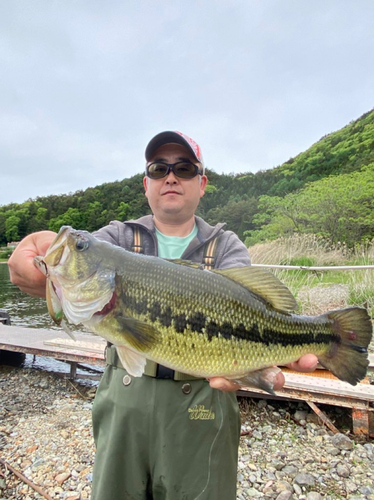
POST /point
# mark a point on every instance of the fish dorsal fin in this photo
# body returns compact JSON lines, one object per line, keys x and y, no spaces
{"x":133,"y":362}
{"x":187,"y":263}
{"x":264,"y":284}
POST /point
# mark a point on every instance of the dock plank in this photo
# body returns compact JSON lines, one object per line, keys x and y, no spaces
{"x":35,"y":341}
{"x":90,"y":349}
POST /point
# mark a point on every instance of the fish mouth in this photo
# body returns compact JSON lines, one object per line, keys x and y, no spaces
{"x":41,"y":265}
{"x":56,"y":251}
{"x":60,"y":238}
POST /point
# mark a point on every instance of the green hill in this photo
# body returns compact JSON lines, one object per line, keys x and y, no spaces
{"x":247,"y":202}
{"x":237,"y":199}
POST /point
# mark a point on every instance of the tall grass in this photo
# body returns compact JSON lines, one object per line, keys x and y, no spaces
{"x":318,"y":292}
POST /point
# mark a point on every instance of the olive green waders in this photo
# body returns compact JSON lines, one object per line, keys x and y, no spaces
{"x":160,"y":439}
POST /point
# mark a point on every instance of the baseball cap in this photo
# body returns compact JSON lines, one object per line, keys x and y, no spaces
{"x":175,"y":138}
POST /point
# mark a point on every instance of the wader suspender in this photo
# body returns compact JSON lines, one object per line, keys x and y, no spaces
{"x":209,"y":251}
{"x":208,"y":254}
{"x":137,"y":246}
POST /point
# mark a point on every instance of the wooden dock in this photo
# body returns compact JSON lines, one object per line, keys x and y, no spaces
{"x":322,"y":387}
{"x":319,"y":387}
{"x":88,"y":349}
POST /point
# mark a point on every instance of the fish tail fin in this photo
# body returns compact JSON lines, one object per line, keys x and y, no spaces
{"x":347,"y":358}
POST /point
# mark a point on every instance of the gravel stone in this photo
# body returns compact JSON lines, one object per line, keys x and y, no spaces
{"x":300,"y":415}
{"x":284,"y":495}
{"x":343,"y":470}
{"x":304,"y":479}
{"x":313,"y":495}
{"x":46,"y":434}
{"x":342,"y":442}
{"x":366,"y":490}
{"x":333,"y":451}
{"x":297,"y":489}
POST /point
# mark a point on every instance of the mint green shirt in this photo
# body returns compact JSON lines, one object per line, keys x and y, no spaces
{"x":172,"y":247}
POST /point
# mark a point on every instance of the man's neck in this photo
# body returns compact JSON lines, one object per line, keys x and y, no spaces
{"x":180,"y":229}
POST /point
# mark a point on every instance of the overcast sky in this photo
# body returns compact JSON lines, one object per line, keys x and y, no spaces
{"x":84,"y":85}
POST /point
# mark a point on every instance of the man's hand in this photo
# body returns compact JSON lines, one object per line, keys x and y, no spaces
{"x":22,"y":270}
{"x":307,"y":363}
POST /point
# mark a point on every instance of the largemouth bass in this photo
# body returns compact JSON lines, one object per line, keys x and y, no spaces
{"x":230,"y":323}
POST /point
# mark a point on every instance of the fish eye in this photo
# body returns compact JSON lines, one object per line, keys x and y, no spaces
{"x":81,"y":245}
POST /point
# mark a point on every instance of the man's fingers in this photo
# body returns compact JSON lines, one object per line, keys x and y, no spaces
{"x":306,"y":364}
{"x":279,"y":381}
{"x":223,"y":384}
{"x":23,"y":273}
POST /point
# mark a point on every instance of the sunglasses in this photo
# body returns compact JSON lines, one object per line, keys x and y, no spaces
{"x":183,"y":169}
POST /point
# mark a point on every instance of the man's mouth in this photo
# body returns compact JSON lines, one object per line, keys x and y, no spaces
{"x":170,"y":192}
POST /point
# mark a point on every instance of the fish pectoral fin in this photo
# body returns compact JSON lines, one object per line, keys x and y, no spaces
{"x":140,"y":335}
{"x":262,"y":379}
{"x":264,"y":284}
{"x":68,"y":330}
{"x":133,"y":362}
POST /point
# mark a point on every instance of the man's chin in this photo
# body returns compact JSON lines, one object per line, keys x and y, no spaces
{"x":172,"y":211}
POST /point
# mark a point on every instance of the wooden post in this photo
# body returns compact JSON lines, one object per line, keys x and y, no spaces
{"x":360,"y":421}
{"x":323,"y":417}
{"x":73,"y":370}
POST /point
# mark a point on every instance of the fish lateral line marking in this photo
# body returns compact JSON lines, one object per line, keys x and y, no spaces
{"x":197,"y":322}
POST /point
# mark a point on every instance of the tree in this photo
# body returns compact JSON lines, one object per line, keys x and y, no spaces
{"x":339,"y":208}
{"x":12,"y":228}
{"x":72,"y":217}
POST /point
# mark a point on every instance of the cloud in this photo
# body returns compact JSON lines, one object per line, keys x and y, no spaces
{"x":86,"y":85}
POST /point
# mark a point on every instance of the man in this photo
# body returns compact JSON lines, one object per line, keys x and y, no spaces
{"x":165,"y":435}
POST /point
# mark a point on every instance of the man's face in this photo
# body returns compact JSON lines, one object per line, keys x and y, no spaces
{"x":171,"y":198}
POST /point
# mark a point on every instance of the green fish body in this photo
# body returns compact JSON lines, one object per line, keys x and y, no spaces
{"x":205,"y":323}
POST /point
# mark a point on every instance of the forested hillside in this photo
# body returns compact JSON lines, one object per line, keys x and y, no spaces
{"x":326,"y":190}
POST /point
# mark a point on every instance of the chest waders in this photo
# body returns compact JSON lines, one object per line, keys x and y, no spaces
{"x":165,"y":435}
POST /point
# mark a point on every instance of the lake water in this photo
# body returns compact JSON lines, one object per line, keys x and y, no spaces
{"x":27,"y":311}
{"x":23,"y":309}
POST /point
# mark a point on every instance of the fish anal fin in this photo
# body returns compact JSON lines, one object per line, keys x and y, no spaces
{"x":263,"y":379}
{"x":264,"y":284}
{"x":133,"y":362}
{"x":140,"y":335}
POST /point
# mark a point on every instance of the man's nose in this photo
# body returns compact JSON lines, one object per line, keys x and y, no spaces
{"x":171,"y":178}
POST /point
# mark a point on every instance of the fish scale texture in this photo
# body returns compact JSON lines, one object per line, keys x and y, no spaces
{"x":178,"y":293}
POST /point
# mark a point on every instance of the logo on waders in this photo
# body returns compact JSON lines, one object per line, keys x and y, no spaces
{"x":198,"y":412}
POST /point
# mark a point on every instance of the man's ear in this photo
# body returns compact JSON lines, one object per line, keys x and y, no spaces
{"x":203,"y":183}
{"x":145,"y":180}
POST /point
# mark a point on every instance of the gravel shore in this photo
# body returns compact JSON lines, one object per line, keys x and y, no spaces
{"x":285,"y":454}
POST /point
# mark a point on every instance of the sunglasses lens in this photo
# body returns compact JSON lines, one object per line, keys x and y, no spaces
{"x":157,"y":170}
{"x":185,"y":170}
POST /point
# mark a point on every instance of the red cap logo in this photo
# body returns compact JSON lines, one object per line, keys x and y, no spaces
{"x":193,"y":144}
